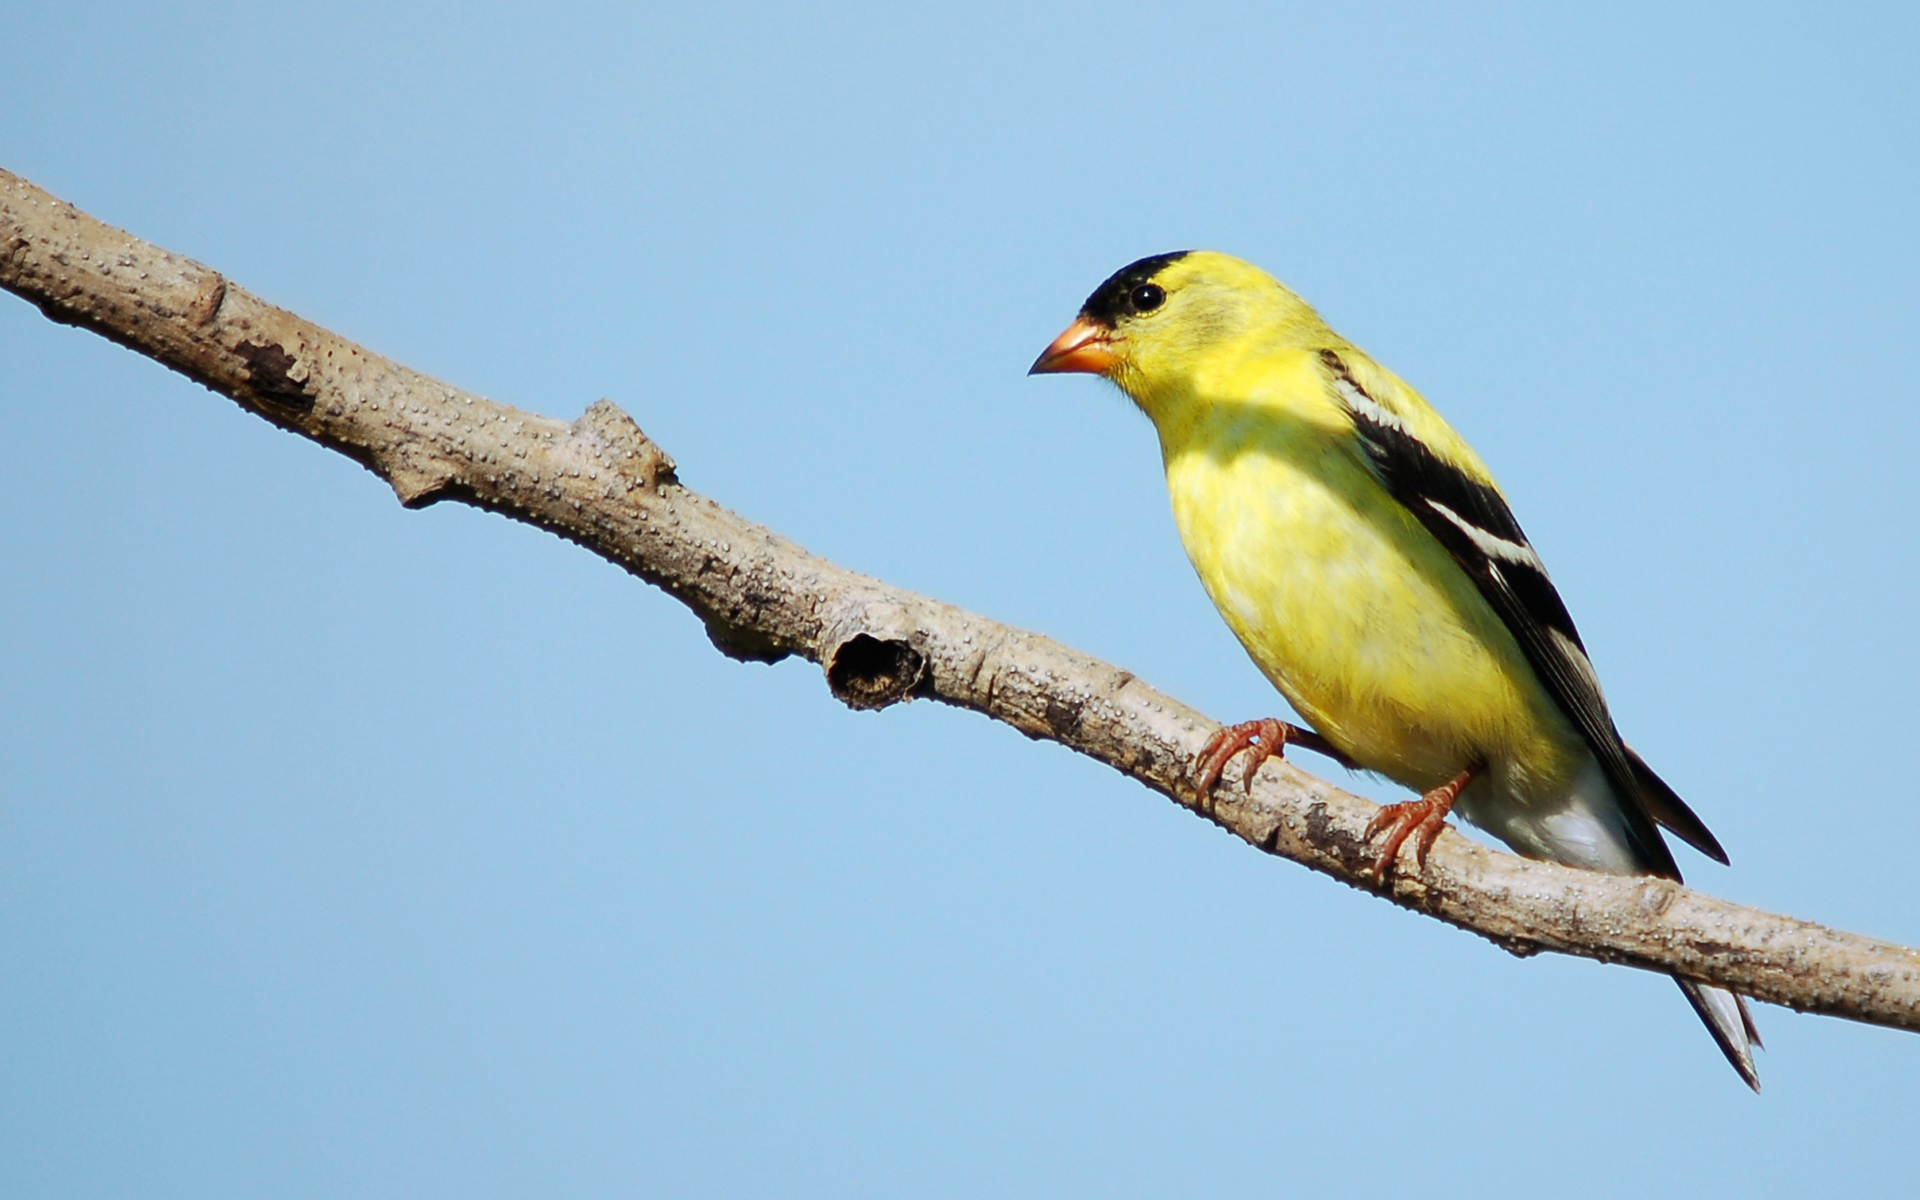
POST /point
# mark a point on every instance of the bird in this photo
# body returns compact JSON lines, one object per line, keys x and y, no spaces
{"x":1371,"y":567}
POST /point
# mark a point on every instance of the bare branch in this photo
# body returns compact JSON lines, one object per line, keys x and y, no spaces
{"x":600,"y":482}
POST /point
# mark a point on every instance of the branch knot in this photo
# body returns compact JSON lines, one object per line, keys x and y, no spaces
{"x":621,"y":446}
{"x":866,"y":672}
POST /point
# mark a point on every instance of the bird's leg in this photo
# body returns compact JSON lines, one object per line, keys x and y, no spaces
{"x":1426,"y":816}
{"x":1262,"y":739}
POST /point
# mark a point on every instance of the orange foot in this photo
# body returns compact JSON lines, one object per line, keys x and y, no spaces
{"x":1426,"y":816}
{"x":1263,"y":739}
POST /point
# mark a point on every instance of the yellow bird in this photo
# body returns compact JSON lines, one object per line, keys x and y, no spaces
{"x":1365,"y":558}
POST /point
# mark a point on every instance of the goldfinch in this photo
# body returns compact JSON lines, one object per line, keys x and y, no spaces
{"x":1365,"y":558}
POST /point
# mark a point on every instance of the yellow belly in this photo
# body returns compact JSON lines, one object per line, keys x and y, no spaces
{"x":1360,"y":618}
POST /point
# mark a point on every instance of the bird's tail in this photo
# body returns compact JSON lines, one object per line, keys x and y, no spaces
{"x":1592,"y":831}
{"x":1730,"y":1022}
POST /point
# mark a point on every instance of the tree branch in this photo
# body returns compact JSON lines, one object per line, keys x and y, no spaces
{"x":600,"y":482}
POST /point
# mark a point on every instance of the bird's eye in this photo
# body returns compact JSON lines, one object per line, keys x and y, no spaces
{"x":1147,"y":297}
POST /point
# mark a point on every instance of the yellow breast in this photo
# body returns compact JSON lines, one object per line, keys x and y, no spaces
{"x":1350,"y":608}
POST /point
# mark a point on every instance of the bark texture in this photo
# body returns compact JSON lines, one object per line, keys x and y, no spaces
{"x":600,"y":482}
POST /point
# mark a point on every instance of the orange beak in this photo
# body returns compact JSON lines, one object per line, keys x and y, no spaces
{"x":1085,"y":348}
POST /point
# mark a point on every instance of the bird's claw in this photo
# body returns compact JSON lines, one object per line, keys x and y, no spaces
{"x":1422,"y":819}
{"x":1262,"y":739}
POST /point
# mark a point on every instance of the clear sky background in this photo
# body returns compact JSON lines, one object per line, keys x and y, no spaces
{"x":352,"y":851}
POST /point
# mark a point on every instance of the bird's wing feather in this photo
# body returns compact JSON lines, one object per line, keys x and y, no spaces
{"x":1672,"y":812}
{"x":1472,"y":521}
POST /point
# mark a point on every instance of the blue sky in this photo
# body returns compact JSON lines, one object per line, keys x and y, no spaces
{"x":351,"y":850}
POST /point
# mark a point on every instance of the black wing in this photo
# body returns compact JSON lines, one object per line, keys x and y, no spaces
{"x":1477,"y":528}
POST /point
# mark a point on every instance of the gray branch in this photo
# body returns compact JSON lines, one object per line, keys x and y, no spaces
{"x":600,"y":482}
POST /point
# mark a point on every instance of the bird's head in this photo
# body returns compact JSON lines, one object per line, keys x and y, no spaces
{"x":1155,"y":327}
